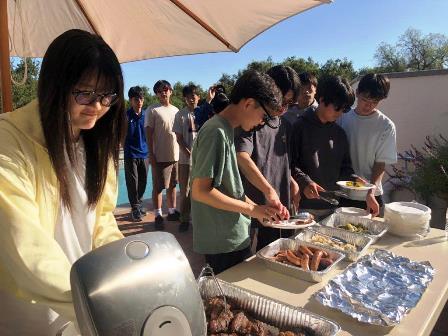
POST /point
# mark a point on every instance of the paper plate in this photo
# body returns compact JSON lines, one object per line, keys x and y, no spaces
{"x":365,"y":187}
{"x":289,"y":225}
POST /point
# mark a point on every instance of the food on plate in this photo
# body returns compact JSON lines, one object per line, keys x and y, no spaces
{"x":307,"y":258}
{"x":353,"y":184}
{"x":303,"y":218}
{"x":357,"y":228}
{"x":229,"y":319}
{"x":326,"y":241}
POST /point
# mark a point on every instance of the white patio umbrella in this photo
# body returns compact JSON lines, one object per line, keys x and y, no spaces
{"x":143,"y":29}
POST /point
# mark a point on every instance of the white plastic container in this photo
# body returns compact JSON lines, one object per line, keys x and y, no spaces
{"x":407,"y":219}
{"x":352,"y":211}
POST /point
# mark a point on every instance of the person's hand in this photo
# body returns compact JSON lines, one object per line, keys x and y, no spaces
{"x":211,"y":93}
{"x":273,"y":200}
{"x":360,"y":179}
{"x":312,"y":190}
{"x":372,"y":205}
{"x":264,"y":213}
{"x":295,"y":194}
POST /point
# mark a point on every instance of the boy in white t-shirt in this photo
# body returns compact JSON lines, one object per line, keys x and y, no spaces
{"x":163,"y":152}
{"x":372,"y":138}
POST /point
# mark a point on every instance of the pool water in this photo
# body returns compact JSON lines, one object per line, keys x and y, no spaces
{"x":123,"y":192}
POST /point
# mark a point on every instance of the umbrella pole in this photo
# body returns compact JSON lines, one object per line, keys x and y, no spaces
{"x":5,"y":66}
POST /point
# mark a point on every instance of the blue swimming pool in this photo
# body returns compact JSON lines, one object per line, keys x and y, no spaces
{"x":122,"y":191}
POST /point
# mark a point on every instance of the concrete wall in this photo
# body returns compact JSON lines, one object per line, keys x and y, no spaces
{"x":418,"y":105}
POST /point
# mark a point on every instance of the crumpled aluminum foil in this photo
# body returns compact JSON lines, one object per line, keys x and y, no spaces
{"x":379,"y":289}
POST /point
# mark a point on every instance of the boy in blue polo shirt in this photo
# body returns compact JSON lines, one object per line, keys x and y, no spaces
{"x":136,"y":159}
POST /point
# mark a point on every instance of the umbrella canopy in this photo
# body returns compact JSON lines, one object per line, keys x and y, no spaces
{"x":138,"y":30}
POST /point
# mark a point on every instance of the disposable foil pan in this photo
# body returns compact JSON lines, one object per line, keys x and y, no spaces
{"x":381,"y":288}
{"x":362,"y":242}
{"x":269,"y":251}
{"x":376,"y":229}
{"x":272,"y":312}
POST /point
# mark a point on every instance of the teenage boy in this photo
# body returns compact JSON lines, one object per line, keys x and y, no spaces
{"x":163,"y":152}
{"x":372,"y":138}
{"x":306,"y":98}
{"x":263,"y":159}
{"x":220,"y":209}
{"x":319,"y":147}
{"x":185,"y":129}
{"x":136,"y":153}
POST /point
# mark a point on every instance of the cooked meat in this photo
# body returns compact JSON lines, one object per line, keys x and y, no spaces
{"x":240,"y":324}
{"x":258,"y":328}
{"x":287,"y":333}
{"x":220,"y":324}
{"x":214,"y":306}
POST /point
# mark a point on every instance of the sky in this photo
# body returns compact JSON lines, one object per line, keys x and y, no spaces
{"x":344,"y":28}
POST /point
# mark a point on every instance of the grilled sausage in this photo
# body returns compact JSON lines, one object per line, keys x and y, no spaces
{"x":305,"y":262}
{"x":305,"y":250}
{"x":292,"y":258}
{"x":325,"y":262}
{"x":316,"y":260}
{"x":315,"y":249}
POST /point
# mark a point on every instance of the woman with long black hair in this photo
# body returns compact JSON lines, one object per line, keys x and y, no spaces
{"x":58,"y":173}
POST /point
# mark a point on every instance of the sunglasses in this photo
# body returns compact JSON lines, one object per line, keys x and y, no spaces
{"x":268,"y":119}
{"x":90,"y":97}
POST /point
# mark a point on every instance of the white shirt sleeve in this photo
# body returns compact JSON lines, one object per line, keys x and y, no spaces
{"x":149,"y":117}
{"x":387,"y":149}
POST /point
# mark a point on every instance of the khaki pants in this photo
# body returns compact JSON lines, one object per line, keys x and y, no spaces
{"x":184,"y":186}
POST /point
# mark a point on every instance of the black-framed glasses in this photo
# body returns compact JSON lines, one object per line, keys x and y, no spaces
{"x":89,"y":97}
{"x":268,"y":119}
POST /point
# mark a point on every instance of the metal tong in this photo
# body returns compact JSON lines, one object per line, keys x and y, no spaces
{"x":330,"y":200}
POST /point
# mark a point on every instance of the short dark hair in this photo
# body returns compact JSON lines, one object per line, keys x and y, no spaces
{"x":190,"y":89}
{"x":286,"y":79}
{"x":160,"y":84}
{"x":337,"y":91}
{"x":220,"y":102}
{"x":258,"y":86}
{"x":73,"y":56}
{"x":136,"y":92}
{"x":374,"y":86}
{"x":308,"y":78}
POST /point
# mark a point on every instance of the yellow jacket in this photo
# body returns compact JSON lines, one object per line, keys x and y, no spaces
{"x":32,"y":265}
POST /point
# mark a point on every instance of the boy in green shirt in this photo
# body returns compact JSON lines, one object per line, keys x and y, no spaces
{"x":220,"y":210}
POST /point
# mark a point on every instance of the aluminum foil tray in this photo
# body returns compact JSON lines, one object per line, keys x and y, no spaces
{"x":381,"y":288}
{"x":272,"y":312}
{"x":269,"y":251}
{"x":376,"y":228}
{"x":362,"y":242}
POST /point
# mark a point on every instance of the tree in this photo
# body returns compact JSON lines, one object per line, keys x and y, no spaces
{"x":24,"y":91}
{"x":338,"y":67}
{"x":301,"y":65}
{"x":414,"y":51}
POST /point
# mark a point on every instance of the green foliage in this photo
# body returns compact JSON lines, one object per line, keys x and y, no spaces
{"x":338,"y":67}
{"x":414,"y":51}
{"x":335,"y":67}
{"x":430,"y":174}
{"x":22,"y":94}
